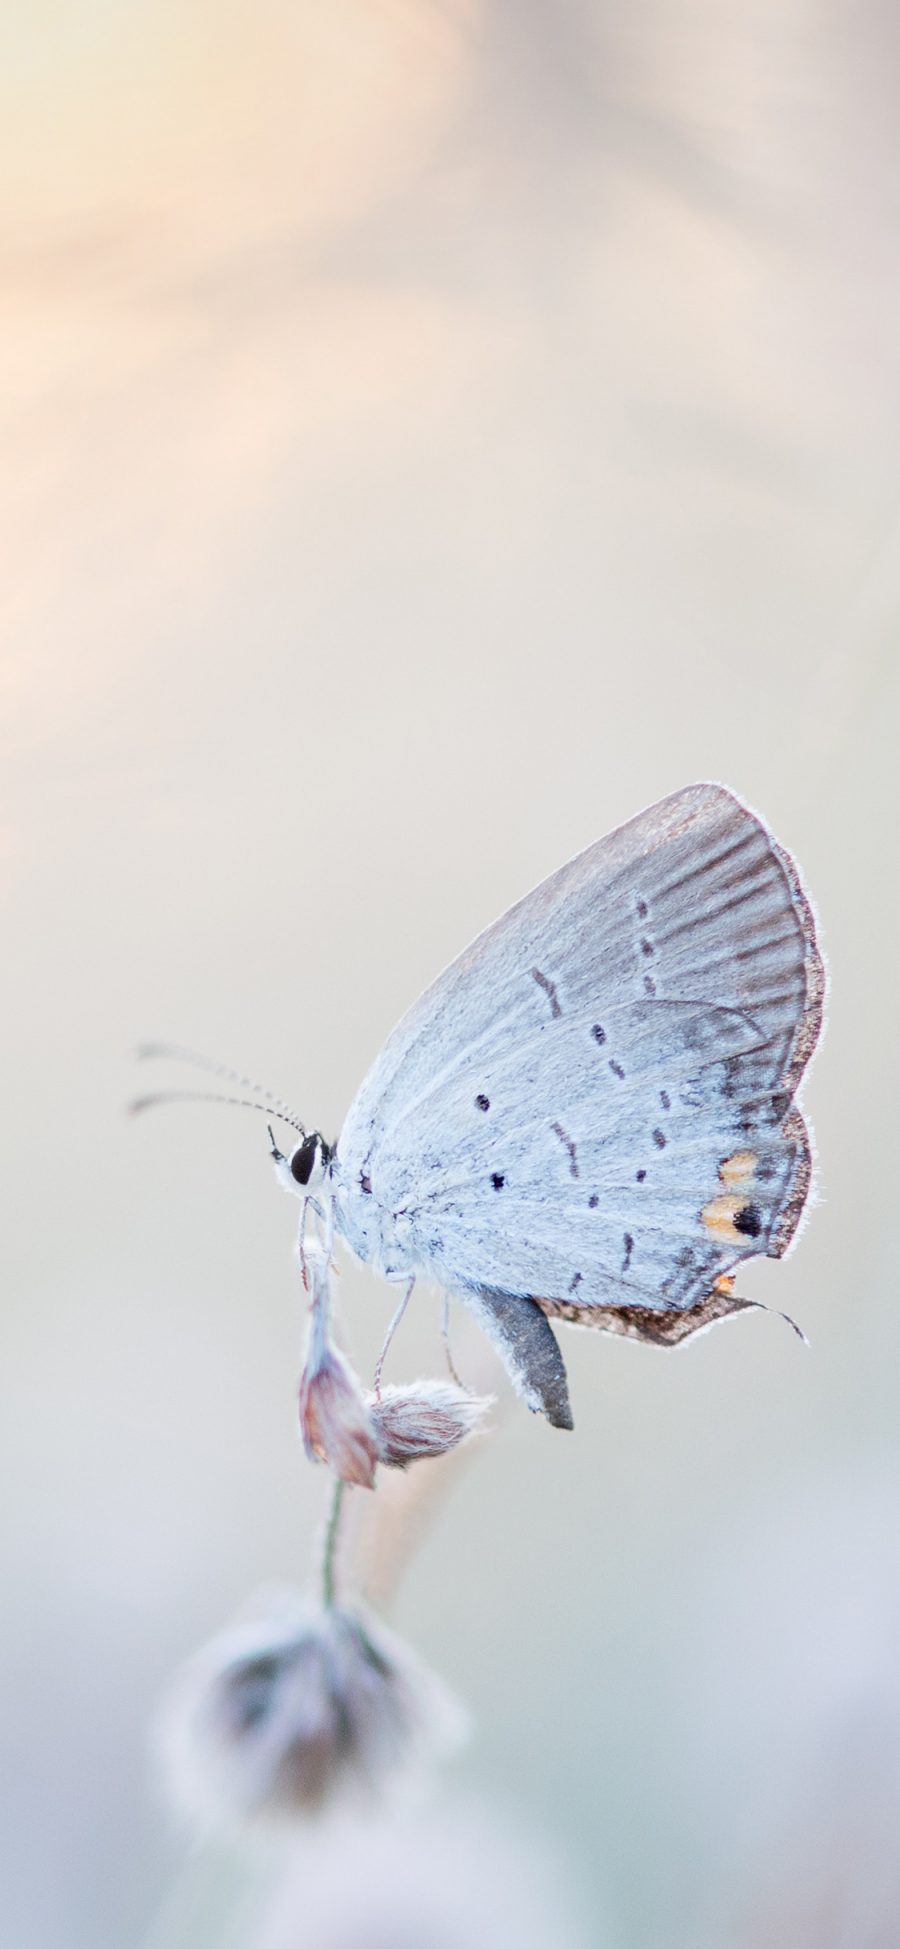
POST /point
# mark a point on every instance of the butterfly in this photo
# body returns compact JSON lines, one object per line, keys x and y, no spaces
{"x":590,"y":1115}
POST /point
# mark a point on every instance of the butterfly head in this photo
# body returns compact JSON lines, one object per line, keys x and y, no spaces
{"x":304,"y":1170}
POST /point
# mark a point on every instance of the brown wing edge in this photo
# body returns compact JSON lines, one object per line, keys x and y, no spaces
{"x":796,"y":1133}
{"x":661,"y":1328}
{"x":808,"y":1031}
{"x":810,"y":1025}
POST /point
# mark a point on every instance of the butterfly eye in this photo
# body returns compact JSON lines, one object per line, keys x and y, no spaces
{"x":303,"y":1159}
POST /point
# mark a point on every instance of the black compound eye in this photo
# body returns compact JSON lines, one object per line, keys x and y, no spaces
{"x":303,"y":1159}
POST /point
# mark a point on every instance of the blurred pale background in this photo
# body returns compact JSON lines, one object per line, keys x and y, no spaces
{"x":431,"y":432}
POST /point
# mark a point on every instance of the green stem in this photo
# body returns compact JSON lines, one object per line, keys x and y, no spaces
{"x":332,"y":1529}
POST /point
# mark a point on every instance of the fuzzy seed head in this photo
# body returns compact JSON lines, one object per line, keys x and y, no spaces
{"x":425,"y":1418}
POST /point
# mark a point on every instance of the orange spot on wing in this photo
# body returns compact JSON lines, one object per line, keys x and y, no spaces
{"x":719,"y":1215}
{"x":736,"y":1174}
{"x":738,"y":1169}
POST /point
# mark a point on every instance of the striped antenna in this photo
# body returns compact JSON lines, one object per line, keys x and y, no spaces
{"x":171,"y":1052}
{"x":140,"y":1103}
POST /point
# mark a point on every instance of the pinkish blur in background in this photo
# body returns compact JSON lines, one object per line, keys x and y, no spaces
{"x":430,"y":433}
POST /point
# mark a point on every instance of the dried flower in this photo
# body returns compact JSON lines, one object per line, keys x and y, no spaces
{"x":281,"y":1718}
{"x":334,"y":1420}
{"x":423,"y":1419}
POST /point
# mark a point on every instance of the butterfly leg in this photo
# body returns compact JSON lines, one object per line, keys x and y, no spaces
{"x":445,"y":1336}
{"x":392,"y":1328}
{"x":325,"y":1217}
{"x":301,"y":1233}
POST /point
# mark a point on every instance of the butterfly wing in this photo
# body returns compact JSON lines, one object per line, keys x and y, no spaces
{"x":593,"y":1105}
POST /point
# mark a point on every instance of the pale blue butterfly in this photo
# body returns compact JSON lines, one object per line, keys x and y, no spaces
{"x":590,"y":1114}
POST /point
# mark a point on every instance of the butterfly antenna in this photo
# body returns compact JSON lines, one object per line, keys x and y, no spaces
{"x":150,"y":1102}
{"x":172,"y":1052}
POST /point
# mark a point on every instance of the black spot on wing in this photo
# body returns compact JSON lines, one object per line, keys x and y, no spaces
{"x":549,"y":987}
{"x":749,"y":1221}
{"x":570,"y":1146}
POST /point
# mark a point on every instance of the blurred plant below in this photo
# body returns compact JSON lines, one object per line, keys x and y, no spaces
{"x":297,"y":1709}
{"x":455,"y":1877}
{"x":312,"y":1711}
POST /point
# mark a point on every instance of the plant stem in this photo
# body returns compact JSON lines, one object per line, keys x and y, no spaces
{"x":332,"y":1529}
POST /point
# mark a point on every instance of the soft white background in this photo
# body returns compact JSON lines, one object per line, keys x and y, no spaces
{"x":431,"y":432}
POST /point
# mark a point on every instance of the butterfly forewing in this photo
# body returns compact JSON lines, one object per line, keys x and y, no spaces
{"x":592,"y":1104}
